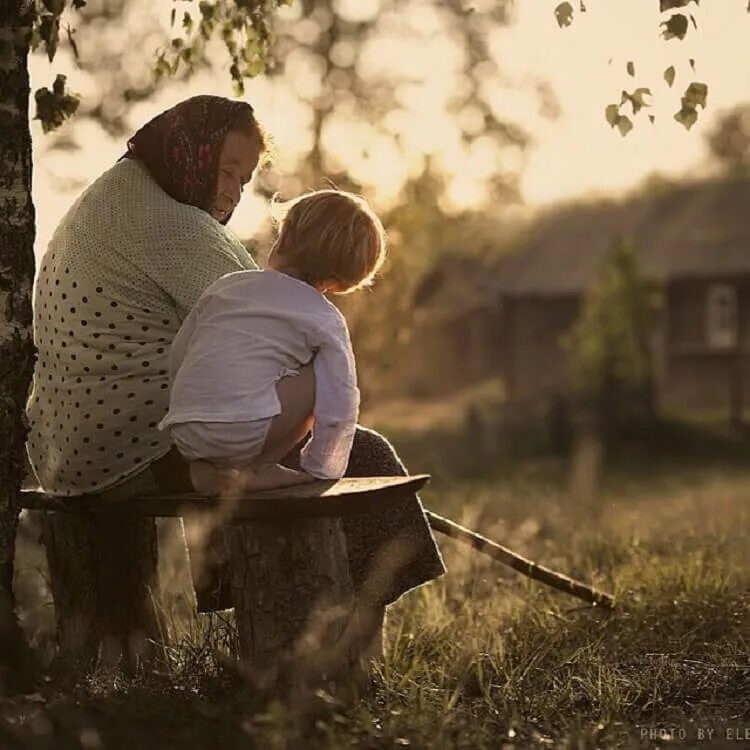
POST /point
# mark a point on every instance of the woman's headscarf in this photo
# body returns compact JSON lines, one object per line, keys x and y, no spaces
{"x":180,"y":147}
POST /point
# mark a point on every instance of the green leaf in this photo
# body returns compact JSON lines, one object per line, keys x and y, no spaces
{"x":208,"y":10}
{"x":612,"y":113}
{"x":675,"y":26}
{"x":564,"y":14}
{"x":36,"y":38}
{"x":638,"y":99}
{"x":254,"y":68}
{"x":161,"y":67}
{"x":55,"y":7}
{"x":49,"y":30}
{"x":624,"y":125}
{"x":630,"y":67}
{"x":669,"y":75}
{"x":187,"y":22}
{"x":695,"y":94}
{"x":251,"y":50}
{"x":54,"y":107}
{"x":665,"y":5}
{"x":71,"y":41}
{"x":687,"y":117}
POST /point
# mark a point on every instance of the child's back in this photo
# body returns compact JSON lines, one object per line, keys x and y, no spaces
{"x":233,"y":412}
{"x":249,"y":329}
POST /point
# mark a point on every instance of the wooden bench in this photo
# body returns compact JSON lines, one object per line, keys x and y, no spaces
{"x":291,"y":587}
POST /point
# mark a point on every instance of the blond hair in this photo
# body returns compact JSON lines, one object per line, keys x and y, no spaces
{"x":331,"y":235}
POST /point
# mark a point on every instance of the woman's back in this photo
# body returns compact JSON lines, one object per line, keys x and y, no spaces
{"x":122,"y":271}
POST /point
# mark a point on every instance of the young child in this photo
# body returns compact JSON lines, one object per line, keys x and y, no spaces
{"x":241,"y":385}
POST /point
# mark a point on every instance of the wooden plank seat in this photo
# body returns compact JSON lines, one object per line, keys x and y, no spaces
{"x":319,"y":499}
{"x":298,"y":622}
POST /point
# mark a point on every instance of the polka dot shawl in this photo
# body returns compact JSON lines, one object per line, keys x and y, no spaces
{"x":123,"y":269}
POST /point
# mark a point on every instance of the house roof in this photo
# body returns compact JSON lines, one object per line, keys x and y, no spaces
{"x":452,"y":288}
{"x":693,"y":230}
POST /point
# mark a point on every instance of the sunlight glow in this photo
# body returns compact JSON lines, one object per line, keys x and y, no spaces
{"x":572,"y":155}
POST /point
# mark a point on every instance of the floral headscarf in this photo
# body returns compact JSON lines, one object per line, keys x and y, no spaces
{"x":180,"y":147}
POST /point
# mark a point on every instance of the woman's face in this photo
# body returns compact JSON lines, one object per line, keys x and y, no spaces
{"x":237,"y":161}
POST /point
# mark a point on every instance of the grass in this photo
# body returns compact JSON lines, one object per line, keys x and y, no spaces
{"x":484,"y":658}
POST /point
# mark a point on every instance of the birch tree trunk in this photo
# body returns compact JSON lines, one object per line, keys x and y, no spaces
{"x":16,"y":279}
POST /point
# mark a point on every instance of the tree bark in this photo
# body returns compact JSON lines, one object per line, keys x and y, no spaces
{"x":104,"y":580}
{"x":295,"y":608}
{"x":16,"y":280}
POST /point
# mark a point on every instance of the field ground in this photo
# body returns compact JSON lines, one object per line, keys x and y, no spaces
{"x":485,"y":658}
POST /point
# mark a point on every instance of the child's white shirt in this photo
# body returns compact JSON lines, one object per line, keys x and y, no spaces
{"x":249,"y":329}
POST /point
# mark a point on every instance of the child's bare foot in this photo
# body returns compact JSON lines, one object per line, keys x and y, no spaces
{"x":269,"y":476}
{"x":210,"y":479}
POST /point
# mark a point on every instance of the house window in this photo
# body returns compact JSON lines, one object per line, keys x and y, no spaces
{"x":721,"y":316}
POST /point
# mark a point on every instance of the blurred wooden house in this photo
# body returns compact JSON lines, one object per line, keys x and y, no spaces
{"x":453,"y":332}
{"x":693,"y":241}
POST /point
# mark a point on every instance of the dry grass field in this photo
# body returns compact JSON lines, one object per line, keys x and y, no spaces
{"x":484,"y":658}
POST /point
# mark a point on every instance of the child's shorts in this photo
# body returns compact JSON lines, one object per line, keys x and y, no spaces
{"x":234,"y":443}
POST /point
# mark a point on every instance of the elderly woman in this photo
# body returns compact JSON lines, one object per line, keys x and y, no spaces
{"x":123,"y":269}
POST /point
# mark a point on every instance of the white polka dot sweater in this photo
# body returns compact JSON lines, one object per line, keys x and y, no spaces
{"x":122,"y":271}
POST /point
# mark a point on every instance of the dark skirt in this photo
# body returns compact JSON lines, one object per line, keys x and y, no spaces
{"x":390,"y":551}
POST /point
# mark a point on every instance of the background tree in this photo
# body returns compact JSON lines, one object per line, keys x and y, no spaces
{"x":358,"y":81}
{"x":427,"y":244}
{"x":609,"y":347}
{"x":335,"y":64}
{"x":729,"y":141}
{"x":16,"y":273}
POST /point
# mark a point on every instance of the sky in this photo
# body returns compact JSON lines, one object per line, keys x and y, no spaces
{"x":579,"y":153}
{"x":572,"y":156}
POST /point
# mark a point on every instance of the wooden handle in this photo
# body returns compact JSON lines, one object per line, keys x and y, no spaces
{"x":521,"y":564}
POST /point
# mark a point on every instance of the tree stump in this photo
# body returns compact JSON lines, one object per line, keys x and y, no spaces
{"x":104,"y":580}
{"x":294,"y":606}
{"x":298,"y":622}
